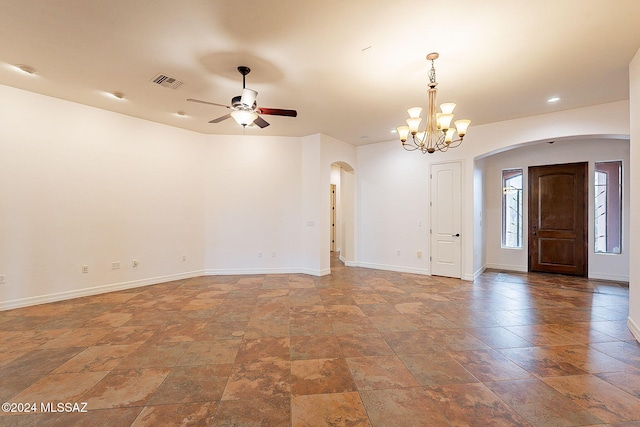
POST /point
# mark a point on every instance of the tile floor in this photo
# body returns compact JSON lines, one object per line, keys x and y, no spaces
{"x":359,"y":347}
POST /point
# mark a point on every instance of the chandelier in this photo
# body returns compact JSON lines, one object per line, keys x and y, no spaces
{"x":438,"y":134}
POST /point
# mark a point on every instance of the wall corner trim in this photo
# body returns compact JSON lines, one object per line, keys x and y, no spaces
{"x":634,"y":328}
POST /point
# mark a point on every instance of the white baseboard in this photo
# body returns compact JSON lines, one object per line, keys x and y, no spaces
{"x":348,"y":263}
{"x":634,"y":328}
{"x":249,"y":271}
{"x":611,"y":277}
{"x":508,"y":267}
{"x":398,"y":268}
{"x":525,"y":269}
{"x":112,"y":287}
{"x":96,"y":290}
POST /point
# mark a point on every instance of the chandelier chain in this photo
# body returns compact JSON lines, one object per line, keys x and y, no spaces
{"x":432,"y":74}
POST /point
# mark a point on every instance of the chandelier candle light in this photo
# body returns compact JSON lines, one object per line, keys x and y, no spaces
{"x":438,"y":135}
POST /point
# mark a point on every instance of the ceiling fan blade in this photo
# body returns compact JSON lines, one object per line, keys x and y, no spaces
{"x":277,"y":112}
{"x":219,"y":119}
{"x":207,"y":102}
{"x":260,"y":122}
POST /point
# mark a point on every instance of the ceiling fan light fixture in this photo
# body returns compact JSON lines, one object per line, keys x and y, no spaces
{"x":244,"y":109}
{"x":244,"y":117}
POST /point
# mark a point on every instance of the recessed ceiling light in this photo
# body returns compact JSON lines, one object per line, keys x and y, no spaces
{"x":553,"y":99}
{"x":118,"y":95}
{"x":394,"y":131}
{"x":27,"y":69}
{"x":181,"y":114}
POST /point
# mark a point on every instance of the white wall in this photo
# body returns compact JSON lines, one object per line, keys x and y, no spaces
{"x":393,"y":198}
{"x":252,"y":199}
{"x":348,"y":239}
{"x":83,"y":186}
{"x":480,"y":220}
{"x":634,"y":281}
{"x":335,"y":180}
{"x":602,"y":266}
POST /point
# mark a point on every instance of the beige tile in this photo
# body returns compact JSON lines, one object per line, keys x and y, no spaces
{"x":266,"y":411}
{"x":267,"y":378}
{"x":194,"y":414}
{"x":319,"y":376}
{"x":334,"y":409}
{"x":541,"y":404}
{"x":125,"y":388}
{"x":401,"y":407}
{"x":597,"y":396}
{"x":374,"y":372}
{"x":473,"y":404}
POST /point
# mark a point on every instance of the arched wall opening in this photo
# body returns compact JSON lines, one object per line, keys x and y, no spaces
{"x":489,"y":251}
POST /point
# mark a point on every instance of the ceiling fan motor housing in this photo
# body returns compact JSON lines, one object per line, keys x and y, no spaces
{"x":236,"y":104}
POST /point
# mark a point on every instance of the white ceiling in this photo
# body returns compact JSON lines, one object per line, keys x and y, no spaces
{"x":350,"y":68}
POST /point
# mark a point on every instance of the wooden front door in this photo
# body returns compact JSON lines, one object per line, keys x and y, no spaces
{"x":558,"y":219}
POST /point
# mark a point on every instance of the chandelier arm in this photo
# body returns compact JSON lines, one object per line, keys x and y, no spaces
{"x":409,"y":147}
{"x":454,"y":144}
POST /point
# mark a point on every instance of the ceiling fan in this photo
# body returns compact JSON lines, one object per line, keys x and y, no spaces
{"x":244,"y":109}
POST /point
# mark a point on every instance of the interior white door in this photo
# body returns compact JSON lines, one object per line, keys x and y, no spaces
{"x":446,"y":219}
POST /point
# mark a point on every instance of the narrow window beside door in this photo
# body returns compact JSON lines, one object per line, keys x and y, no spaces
{"x":608,"y":207}
{"x":512,"y":208}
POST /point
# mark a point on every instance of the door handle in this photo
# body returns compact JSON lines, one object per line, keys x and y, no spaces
{"x":455,"y":235}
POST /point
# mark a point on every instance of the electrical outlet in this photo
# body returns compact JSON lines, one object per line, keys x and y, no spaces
{"x":273,"y":254}
{"x":85,"y":269}
{"x":419,"y":254}
{"x":398,"y":251}
{"x":135,"y":263}
{"x":259,"y":254}
{"x":184,"y":257}
{"x":115,"y":265}
{"x":3,"y":279}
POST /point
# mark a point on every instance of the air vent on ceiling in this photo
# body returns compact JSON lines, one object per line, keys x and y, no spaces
{"x":166,"y":81}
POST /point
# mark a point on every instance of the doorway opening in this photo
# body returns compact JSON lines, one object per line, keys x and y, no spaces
{"x":341,"y":214}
